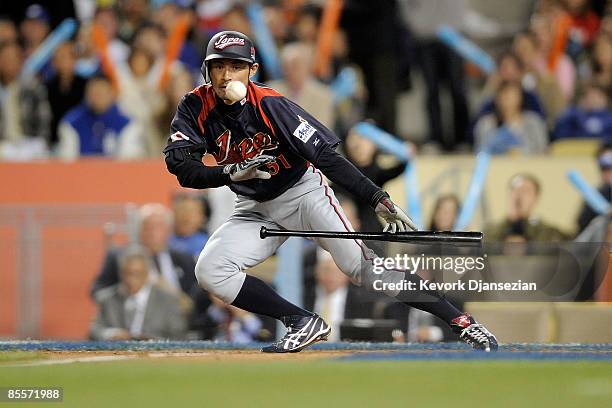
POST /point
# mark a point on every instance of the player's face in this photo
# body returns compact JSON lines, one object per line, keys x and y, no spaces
{"x":222,"y":71}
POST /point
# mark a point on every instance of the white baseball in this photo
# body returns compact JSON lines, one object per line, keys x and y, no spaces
{"x":235,"y":91}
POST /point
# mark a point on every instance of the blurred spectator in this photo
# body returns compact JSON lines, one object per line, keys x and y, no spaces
{"x":515,"y":240}
{"x":306,"y":26}
{"x":87,"y":63}
{"x":350,"y":101}
{"x":350,"y":211}
{"x":106,"y":18}
{"x":234,"y":324}
{"x":424,"y":327}
{"x":524,"y":192}
{"x":24,"y":110}
{"x":221,"y":202}
{"x":167,"y":13}
{"x":511,"y":126}
{"x":152,"y":38}
{"x":373,"y":30}
{"x":335,"y":298}
{"x":132,"y":15}
{"x":599,"y":7}
{"x":99,"y":127}
{"x":557,"y":62}
{"x":140,"y":97}
{"x":364,"y":155}
{"x":190,"y":219}
{"x":592,"y":116}
{"x":537,"y":78}
{"x":441,"y":67}
{"x":510,"y":68}
{"x":179,"y":84}
{"x":446,"y":210}
{"x":136,"y":308}
{"x":600,"y":69}
{"x":34,"y":28}
{"x":598,"y":233}
{"x":277,"y":21}
{"x":8,"y":30}
{"x":210,"y":15}
{"x":606,"y":23}
{"x":236,"y":19}
{"x":300,"y":86}
{"x":579,"y":25}
{"x":171,"y":269}
{"x":65,"y":89}
{"x":604,"y":160}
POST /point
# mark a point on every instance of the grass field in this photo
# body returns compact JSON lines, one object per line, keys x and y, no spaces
{"x":312,"y":378}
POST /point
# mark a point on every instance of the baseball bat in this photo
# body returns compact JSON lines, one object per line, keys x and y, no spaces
{"x":410,"y":236}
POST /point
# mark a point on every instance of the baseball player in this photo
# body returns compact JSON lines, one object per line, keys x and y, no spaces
{"x":273,"y":154}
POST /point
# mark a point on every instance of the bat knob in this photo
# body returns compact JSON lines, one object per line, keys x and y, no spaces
{"x":263,"y":232}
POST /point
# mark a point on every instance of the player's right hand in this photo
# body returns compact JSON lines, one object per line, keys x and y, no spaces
{"x":395,"y":218}
{"x":249,"y":169}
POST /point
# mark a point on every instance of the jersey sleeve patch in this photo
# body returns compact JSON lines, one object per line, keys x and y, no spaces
{"x":304,"y":131}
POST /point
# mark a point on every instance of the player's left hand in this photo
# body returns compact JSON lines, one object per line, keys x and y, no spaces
{"x":395,"y":218}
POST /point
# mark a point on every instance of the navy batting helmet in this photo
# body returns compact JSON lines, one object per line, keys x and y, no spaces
{"x":230,"y":45}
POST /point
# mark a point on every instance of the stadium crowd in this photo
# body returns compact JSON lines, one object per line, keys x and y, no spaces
{"x":112,"y":88}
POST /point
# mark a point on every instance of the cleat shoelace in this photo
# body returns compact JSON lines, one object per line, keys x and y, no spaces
{"x":475,"y":334}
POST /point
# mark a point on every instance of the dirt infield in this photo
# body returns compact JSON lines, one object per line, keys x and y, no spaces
{"x":65,"y":357}
{"x":212,"y":355}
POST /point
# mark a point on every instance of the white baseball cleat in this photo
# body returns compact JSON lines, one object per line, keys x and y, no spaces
{"x":474,"y":333}
{"x":302,"y":331}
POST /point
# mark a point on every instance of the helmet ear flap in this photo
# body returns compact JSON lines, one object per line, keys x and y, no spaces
{"x":204,"y":70}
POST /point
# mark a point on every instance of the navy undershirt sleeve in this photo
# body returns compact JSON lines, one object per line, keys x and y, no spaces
{"x":342,"y":172}
{"x":191,"y":172}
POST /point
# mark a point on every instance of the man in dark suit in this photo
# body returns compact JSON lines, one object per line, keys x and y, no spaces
{"x":170,"y":269}
{"x":137,"y":308}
